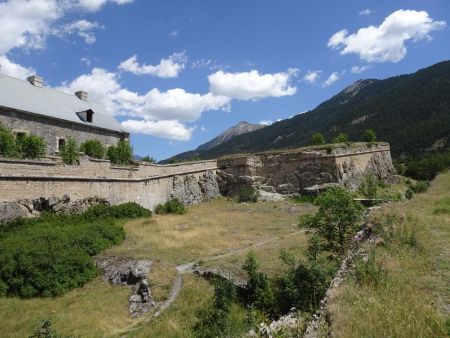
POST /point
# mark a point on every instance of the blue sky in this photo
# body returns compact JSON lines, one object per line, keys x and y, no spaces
{"x":178,"y":72}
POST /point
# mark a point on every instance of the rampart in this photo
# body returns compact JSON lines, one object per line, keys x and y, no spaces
{"x":146,"y":184}
{"x":305,"y":169}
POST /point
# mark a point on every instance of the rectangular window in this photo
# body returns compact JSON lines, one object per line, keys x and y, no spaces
{"x":89,"y":116}
{"x":61,"y":143}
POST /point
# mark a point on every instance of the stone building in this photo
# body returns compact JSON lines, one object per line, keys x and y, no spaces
{"x":27,"y":107}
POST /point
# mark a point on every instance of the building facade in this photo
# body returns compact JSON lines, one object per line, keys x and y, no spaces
{"x":27,"y":107}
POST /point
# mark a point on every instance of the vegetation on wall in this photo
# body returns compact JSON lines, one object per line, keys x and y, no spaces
{"x":148,"y":159}
{"x":173,"y":206}
{"x":93,"y":148}
{"x":318,"y":139}
{"x":49,"y":255}
{"x":8,"y":146}
{"x":69,"y":152}
{"x":23,"y":145}
{"x":121,"y":153}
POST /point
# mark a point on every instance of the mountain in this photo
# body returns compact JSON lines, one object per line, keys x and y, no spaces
{"x":411,"y":112}
{"x":239,"y":129}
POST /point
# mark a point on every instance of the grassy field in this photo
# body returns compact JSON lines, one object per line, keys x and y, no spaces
{"x":207,"y":231}
{"x":409,"y":295}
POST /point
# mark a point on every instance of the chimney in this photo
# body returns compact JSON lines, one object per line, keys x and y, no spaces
{"x":82,"y":95}
{"x":36,"y":81}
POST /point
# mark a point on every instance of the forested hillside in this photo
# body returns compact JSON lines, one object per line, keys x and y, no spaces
{"x":412,"y":112}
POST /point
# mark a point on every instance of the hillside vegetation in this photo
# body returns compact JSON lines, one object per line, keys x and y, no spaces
{"x":411,"y":112}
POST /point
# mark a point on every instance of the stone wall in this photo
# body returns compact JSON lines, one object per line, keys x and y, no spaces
{"x":146,"y":184}
{"x":52,"y":130}
{"x":299,"y":170}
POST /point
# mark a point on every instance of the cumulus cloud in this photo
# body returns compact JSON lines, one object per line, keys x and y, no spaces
{"x":387,"y":41}
{"x":359,"y":69}
{"x":167,"y":68}
{"x":156,"y":112}
{"x":312,"y":76}
{"x":365,"y":12}
{"x":172,"y":130}
{"x":266,"y":122}
{"x":83,"y":28}
{"x":252,"y":85}
{"x":331,"y":79}
{"x":10,"y":68}
{"x":95,"y":5}
{"x":208,"y":64}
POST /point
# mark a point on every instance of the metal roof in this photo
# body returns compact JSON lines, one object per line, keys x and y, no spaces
{"x":22,"y":95}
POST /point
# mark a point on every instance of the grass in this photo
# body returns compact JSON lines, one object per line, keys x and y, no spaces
{"x":414,"y":298}
{"x":218,"y":227}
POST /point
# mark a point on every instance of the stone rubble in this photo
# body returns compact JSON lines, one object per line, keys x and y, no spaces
{"x":194,"y":190}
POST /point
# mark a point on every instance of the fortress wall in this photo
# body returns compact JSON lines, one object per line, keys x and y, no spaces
{"x":145,"y":184}
{"x":293,"y":171}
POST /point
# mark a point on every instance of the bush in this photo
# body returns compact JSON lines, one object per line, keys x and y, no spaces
{"x":368,"y":186}
{"x":93,"y":148}
{"x":8,"y":146}
{"x":247,"y":194}
{"x":426,"y":168}
{"x":341,"y":138}
{"x":369,"y":135}
{"x":31,"y":146}
{"x":69,"y":152}
{"x":318,"y":139}
{"x":126,"y":210}
{"x":258,"y":292}
{"x":419,"y":187}
{"x":336,"y":221}
{"x":149,"y":159}
{"x":369,"y":271}
{"x":122,"y":153}
{"x":173,"y":206}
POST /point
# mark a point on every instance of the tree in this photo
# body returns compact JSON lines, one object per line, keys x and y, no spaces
{"x":369,"y":135}
{"x":341,"y":138}
{"x":148,"y":159}
{"x":318,"y":139}
{"x":69,"y":152}
{"x":122,"y":153}
{"x":93,"y":148}
{"x":336,"y":221}
{"x":8,"y":146}
{"x":368,"y":186}
{"x":31,"y":146}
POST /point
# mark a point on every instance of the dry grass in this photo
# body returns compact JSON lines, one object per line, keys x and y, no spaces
{"x":207,"y":230}
{"x":415,"y":299}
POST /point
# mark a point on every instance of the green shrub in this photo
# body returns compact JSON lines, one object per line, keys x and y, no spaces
{"x":126,"y":210}
{"x":31,"y":146}
{"x":409,"y":194}
{"x":258,"y":292}
{"x":121,"y":153}
{"x":368,"y":186}
{"x":8,"y":145}
{"x":419,"y":187}
{"x":369,"y":271}
{"x":341,"y":138}
{"x":247,"y":194}
{"x":93,"y":148}
{"x":336,"y":221}
{"x":304,"y":199}
{"x":318,"y":139}
{"x":369,"y":135}
{"x":427,"y":167}
{"x":149,"y":159}
{"x":69,"y":152}
{"x":173,"y":206}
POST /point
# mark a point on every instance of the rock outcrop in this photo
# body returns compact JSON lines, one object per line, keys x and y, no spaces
{"x":305,"y":170}
{"x":132,"y":273}
{"x":54,"y":204}
{"x":194,"y":189}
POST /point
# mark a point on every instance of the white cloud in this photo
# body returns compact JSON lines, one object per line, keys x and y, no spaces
{"x":252,"y":85}
{"x":86,"y":61}
{"x":312,"y":76}
{"x":331,"y":79}
{"x":366,"y":11}
{"x":359,"y":69}
{"x":10,"y":68}
{"x":155,"y":110}
{"x":172,"y":130}
{"x":266,"y":122}
{"x":95,"y":5}
{"x":174,"y":33}
{"x":387,"y":41}
{"x":208,"y":64}
{"x":167,"y":68}
{"x":83,"y":28}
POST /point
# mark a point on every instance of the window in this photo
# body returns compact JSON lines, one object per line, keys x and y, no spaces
{"x":61,"y":143}
{"x":89,"y":116}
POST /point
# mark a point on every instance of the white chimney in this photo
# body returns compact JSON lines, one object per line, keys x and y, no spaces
{"x":82,"y":95}
{"x":36,"y":81}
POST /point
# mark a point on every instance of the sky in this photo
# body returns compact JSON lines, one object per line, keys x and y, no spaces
{"x":176,"y":73}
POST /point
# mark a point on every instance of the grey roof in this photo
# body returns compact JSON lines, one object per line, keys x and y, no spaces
{"x":22,"y":95}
